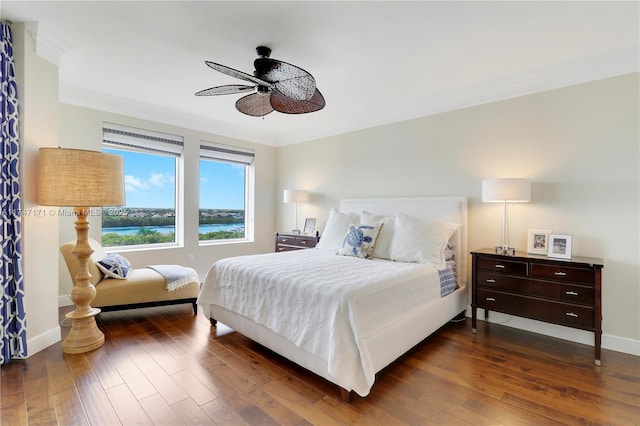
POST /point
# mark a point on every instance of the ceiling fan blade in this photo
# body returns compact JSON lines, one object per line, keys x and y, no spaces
{"x":284,"y":104}
{"x":226,"y":90}
{"x":291,"y":81}
{"x":237,"y":74}
{"x":255,"y":104}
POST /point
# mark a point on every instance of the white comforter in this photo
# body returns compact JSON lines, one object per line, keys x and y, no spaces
{"x":324,"y":303}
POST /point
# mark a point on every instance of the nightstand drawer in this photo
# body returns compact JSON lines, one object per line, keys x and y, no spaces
{"x":286,"y":239}
{"x":281,"y":247}
{"x":503,"y":266}
{"x":543,"y":310}
{"x":562,"y":273}
{"x":287,"y":242}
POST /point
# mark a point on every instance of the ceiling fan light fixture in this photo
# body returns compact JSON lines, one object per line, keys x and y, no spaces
{"x":278,"y":86}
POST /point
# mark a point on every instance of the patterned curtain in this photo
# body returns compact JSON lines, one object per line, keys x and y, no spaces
{"x":13,"y":331}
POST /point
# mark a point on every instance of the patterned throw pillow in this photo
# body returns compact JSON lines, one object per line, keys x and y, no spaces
{"x":115,"y":266}
{"x":360,"y":240}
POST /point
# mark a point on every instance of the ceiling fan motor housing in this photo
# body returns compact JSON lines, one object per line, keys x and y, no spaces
{"x":263,"y":51}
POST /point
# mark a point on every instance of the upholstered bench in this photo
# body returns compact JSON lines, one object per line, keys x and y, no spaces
{"x":143,"y":287}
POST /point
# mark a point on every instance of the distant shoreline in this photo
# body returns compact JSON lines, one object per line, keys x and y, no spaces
{"x":202,"y":229}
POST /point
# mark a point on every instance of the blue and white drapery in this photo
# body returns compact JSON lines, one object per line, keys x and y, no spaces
{"x":13,"y":331}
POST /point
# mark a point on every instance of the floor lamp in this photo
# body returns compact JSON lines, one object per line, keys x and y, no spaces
{"x":81,"y":179}
{"x":296,"y":196}
{"x":506,"y":190}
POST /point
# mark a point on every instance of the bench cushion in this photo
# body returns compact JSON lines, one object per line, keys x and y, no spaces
{"x":143,"y":285}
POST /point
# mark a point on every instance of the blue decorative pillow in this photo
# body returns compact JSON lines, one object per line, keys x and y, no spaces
{"x":115,"y":266}
{"x":360,"y":240}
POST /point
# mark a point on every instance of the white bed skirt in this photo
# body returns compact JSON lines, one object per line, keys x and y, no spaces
{"x":386,"y":345}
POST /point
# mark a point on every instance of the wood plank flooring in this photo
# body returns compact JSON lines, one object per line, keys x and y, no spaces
{"x":165,"y":366}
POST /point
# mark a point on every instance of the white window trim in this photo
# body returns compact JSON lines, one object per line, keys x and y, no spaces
{"x":211,"y":151}
{"x":125,"y":138}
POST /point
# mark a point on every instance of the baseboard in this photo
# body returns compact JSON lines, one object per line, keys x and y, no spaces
{"x":64,"y":301}
{"x":614,"y":343}
{"x":44,"y":340}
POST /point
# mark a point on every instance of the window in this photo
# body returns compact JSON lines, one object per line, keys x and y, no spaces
{"x":151,"y":166}
{"x":224,"y":181}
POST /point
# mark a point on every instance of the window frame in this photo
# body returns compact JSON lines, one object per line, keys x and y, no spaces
{"x":122,"y":138}
{"x":210,"y":151}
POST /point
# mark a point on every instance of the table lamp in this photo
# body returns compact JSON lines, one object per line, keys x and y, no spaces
{"x":81,"y":179}
{"x":296,"y":196}
{"x":506,"y":190}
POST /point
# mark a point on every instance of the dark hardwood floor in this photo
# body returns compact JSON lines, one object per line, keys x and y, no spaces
{"x":165,"y":366}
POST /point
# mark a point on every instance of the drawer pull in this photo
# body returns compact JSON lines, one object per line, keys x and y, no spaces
{"x":499,"y":266}
{"x":491,"y":280}
{"x":571,"y":293}
{"x":304,"y":242}
{"x":561,"y":274}
{"x":490,"y":299}
{"x":285,"y":240}
{"x":571,"y":314}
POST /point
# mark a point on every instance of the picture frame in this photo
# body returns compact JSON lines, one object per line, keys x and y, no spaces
{"x":560,"y":246}
{"x":310,"y":225}
{"x":538,"y":241}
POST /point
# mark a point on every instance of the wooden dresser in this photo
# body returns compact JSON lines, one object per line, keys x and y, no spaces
{"x":559,"y":291}
{"x":287,"y":242}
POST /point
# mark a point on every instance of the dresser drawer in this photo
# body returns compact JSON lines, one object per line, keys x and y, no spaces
{"x":503,"y":266}
{"x":562,"y":273}
{"x":571,"y":315}
{"x":539,"y":288}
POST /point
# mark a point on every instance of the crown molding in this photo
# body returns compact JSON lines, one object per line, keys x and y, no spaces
{"x":129,"y":107}
{"x":48,"y":46}
{"x":564,"y":74}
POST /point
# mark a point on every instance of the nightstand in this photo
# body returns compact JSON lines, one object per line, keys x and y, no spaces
{"x":560,"y":291}
{"x":288,"y":242}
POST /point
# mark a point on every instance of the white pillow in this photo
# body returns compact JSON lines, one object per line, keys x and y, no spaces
{"x":381,"y":249}
{"x":420,"y":240}
{"x":335,"y":229}
{"x":360,"y":240}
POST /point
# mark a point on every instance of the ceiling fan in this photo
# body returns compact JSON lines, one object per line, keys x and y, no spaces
{"x":277,"y":85}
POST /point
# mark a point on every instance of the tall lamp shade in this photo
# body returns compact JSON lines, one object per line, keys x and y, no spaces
{"x":296,"y":196}
{"x":81,"y":179}
{"x":506,"y":190}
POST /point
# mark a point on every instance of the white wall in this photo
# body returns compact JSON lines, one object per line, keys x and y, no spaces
{"x":82,"y":128}
{"x":579,"y":145}
{"x":38,"y":105}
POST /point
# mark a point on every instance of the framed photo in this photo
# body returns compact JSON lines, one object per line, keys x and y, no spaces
{"x":559,"y":246}
{"x":538,"y":241}
{"x":310,"y":225}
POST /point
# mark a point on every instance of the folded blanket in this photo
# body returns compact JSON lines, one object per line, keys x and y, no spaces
{"x":176,"y":276}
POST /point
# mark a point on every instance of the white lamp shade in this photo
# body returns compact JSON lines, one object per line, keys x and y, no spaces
{"x":79,"y":178}
{"x":512,"y":190}
{"x":295,"y":196}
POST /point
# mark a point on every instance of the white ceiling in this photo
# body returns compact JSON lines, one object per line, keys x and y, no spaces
{"x":375,"y":62}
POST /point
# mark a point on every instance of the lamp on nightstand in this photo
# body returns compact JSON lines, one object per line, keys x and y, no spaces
{"x":296,"y":196}
{"x":506,"y":190}
{"x":81,"y":179}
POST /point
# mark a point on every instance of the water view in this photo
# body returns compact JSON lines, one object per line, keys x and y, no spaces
{"x":165,"y":230}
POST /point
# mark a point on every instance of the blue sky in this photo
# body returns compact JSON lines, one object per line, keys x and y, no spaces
{"x":150,"y":182}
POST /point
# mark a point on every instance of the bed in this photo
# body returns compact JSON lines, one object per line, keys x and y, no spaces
{"x":355,"y":315}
